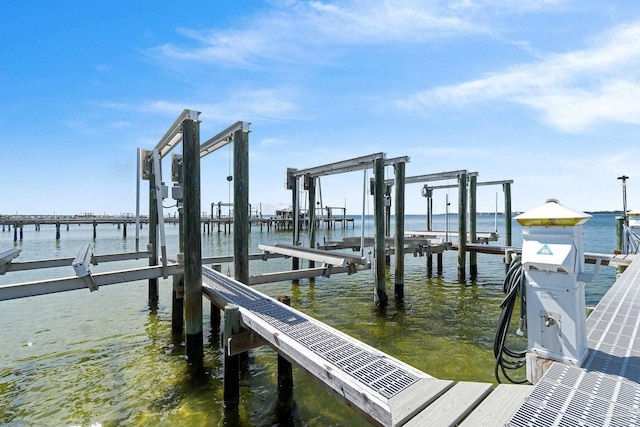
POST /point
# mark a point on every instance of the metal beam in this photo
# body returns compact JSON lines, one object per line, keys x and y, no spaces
{"x":44,"y":287}
{"x":355,"y":164}
{"x":440,"y":176}
{"x":222,"y":138}
{"x":442,"y":187}
{"x":330,"y":258}
{"x":174,"y":135}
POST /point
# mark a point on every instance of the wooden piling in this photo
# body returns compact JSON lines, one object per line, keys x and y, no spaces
{"x":399,"y":232}
{"x":507,"y":213}
{"x":21,"y":232}
{"x":15,"y":233}
{"x":380,"y":295}
{"x":462,"y":226}
{"x":177,"y":294}
{"x":124,"y":229}
{"x":473,"y":256}
{"x":311,"y":189}
{"x":241,"y":205}
{"x":57,"y":230}
{"x":192,"y":251}
{"x":285,"y":370}
{"x":214,"y":319}
{"x":95,"y":225}
{"x":153,"y":238}
{"x":231,"y":364}
{"x":619,"y":233}
{"x":440,"y":267}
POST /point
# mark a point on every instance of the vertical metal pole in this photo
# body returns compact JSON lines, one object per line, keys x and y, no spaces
{"x":473,"y":256}
{"x":160,"y":213}
{"x":241,"y":205}
{"x":295,"y":207}
{"x":462,"y":226}
{"x":364,"y":205}
{"x":192,"y":240}
{"x":399,"y":234}
{"x":625,"y":216}
{"x":380,"y":295}
{"x":138,"y":202}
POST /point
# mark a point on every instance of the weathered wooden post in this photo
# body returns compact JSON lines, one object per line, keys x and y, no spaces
{"x":380,"y":295}
{"x":310,"y":184}
{"x":473,"y":256}
{"x":399,"y":233}
{"x":192,"y":249}
{"x":387,"y":219}
{"x":153,"y":234}
{"x":507,"y":213}
{"x":95,"y":225}
{"x":241,"y":205}
{"x":57,"y":230}
{"x":231,"y":364}
{"x":124,"y":229}
{"x":215,"y":319}
{"x":462,"y":226}
{"x":285,"y":371}
{"x":619,"y":234}
{"x":21,"y":231}
{"x":177,"y":293}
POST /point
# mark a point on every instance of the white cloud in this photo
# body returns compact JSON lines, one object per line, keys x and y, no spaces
{"x":288,"y":32}
{"x":570,"y":91}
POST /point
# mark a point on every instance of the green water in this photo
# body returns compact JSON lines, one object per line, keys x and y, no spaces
{"x":106,"y":358}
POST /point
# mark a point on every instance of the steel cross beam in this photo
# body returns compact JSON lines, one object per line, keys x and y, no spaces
{"x":174,"y":135}
{"x":222,"y":138}
{"x":356,"y":164}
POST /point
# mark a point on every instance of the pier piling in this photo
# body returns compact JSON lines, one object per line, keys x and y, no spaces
{"x":192,"y":250}
{"x":231,"y":364}
{"x":462,"y":226}
{"x":399,"y":232}
{"x":473,"y":256}
{"x":380,"y":295}
{"x":285,"y":370}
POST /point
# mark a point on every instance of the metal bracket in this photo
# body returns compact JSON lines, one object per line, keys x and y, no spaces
{"x":82,"y":266}
{"x":327,"y":270}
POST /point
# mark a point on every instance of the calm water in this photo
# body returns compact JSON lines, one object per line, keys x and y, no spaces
{"x":105,"y":358}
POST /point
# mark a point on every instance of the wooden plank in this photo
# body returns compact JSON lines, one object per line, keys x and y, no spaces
{"x":499,"y":406}
{"x":453,"y":406}
{"x":409,"y":402}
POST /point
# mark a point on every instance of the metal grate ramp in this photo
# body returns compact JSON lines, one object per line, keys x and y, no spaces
{"x":606,"y":390}
{"x":384,"y":388}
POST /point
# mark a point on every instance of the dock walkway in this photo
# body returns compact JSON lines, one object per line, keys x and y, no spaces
{"x":385,"y":390}
{"x":606,"y":390}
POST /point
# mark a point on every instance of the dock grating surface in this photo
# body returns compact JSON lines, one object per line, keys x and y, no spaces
{"x":606,"y":390}
{"x":380,"y":375}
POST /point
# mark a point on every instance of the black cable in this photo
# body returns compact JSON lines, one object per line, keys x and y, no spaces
{"x":514,"y":287}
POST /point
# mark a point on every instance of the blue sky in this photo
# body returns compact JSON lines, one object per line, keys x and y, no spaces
{"x":544,"y":92}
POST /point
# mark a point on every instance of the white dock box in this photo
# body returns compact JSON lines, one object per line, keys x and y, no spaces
{"x":553,"y":260}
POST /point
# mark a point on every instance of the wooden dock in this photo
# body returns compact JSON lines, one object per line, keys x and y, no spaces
{"x":385,"y":390}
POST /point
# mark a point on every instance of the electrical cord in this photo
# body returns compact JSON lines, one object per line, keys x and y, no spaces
{"x":514,"y":287}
